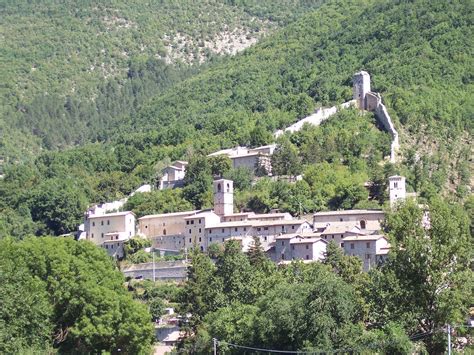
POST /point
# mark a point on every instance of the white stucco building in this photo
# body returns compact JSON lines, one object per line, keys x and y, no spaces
{"x":371,"y":249}
{"x":249,"y":157}
{"x":173,"y":175}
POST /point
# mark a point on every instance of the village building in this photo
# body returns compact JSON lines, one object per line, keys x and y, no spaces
{"x":251,"y":158}
{"x":109,"y":230}
{"x":371,"y":249}
{"x":299,"y":246}
{"x":173,"y":175}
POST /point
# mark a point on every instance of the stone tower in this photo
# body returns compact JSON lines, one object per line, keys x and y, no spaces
{"x":223,"y":197}
{"x":397,"y":189}
{"x":361,"y":86}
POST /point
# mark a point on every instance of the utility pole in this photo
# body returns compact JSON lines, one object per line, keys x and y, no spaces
{"x":153,"y":251}
{"x":214,"y":340}
{"x":449,"y":339}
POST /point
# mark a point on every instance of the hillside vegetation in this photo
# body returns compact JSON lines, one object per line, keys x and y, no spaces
{"x":417,"y":54}
{"x":71,"y":71}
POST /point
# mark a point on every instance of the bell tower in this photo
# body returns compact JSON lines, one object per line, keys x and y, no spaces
{"x":397,"y":189}
{"x":361,"y":86}
{"x":223,"y":197}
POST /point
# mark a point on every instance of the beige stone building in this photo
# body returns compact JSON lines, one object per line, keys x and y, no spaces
{"x":249,"y":157}
{"x":110,"y":230}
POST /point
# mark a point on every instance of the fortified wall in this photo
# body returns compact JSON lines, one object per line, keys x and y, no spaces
{"x":364,"y":99}
{"x":372,"y":101}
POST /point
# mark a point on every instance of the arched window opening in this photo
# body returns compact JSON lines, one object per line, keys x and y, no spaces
{"x":363,"y":224}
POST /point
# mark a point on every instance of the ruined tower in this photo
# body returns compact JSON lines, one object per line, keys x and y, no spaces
{"x":223,"y":197}
{"x":361,"y":86}
{"x":397,"y":188}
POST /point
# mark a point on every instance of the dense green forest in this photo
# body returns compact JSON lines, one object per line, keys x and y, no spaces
{"x":72,"y":72}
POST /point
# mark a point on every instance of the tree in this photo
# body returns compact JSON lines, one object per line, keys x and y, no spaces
{"x":198,"y":181}
{"x":59,"y":205}
{"x":427,"y":280}
{"x":202,"y":292}
{"x":256,"y":254}
{"x":285,"y":159}
{"x":220,"y":165}
{"x":135,"y":244}
{"x":78,"y":293}
{"x":259,"y":136}
{"x":235,"y":273}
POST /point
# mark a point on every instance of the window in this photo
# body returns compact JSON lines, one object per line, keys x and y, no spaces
{"x":93,"y":224}
{"x":146,"y":227}
{"x":218,"y":187}
{"x":210,"y":230}
{"x":307,"y":247}
{"x":395,"y":185}
{"x":116,"y":237}
{"x":106,"y":247}
{"x":187,"y":222}
{"x":108,"y":222}
{"x":307,"y":257}
{"x":235,"y":229}
{"x":228,"y":188}
{"x":199,"y":238}
{"x":342,"y":245}
{"x":190,"y":240}
{"x":222,"y":239}
{"x":199,"y":230}
{"x":352,"y":245}
{"x":332,"y":236}
{"x":292,"y":227}
{"x":101,"y":223}
{"x":368,"y":244}
{"x":363,"y":224}
{"x":292,"y":247}
{"x":164,"y":231}
{"x":92,"y":235}
{"x":202,"y":248}
{"x":199,"y":220}
{"x":341,"y":219}
{"x":223,"y":230}
{"x":210,"y":239}
{"x":192,"y":221}
{"x":259,"y":229}
{"x":367,"y":256}
{"x":245,"y":229}
{"x":282,"y":228}
{"x":282,"y":256}
{"x":265,"y":238}
{"x":282,"y":242}
{"x":102,"y":235}
{"x":190,"y":231}
{"x":265,"y":228}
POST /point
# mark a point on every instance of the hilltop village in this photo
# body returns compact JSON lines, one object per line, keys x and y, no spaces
{"x":283,"y":237}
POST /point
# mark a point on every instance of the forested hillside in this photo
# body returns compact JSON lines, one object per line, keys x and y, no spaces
{"x":72,"y":71}
{"x":418,"y":54}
